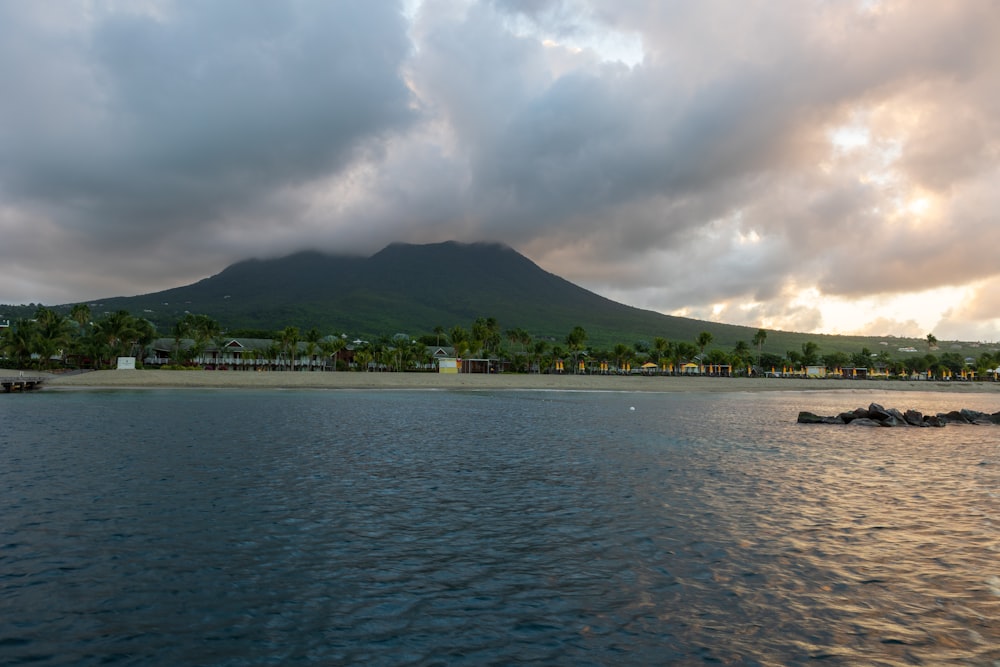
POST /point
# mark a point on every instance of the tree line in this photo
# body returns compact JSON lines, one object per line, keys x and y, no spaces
{"x":49,"y":340}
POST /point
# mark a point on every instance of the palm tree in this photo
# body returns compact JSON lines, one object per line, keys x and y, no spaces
{"x":117,"y":333}
{"x":683,"y":351}
{"x":932,"y":341}
{"x":313,"y":337}
{"x":19,"y":341}
{"x":741,"y":353}
{"x":331,"y":347}
{"x":758,"y":340}
{"x":704,"y":340}
{"x":80,"y":313}
{"x":662,"y":347}
{"x":575,"y":341}
{"x":622,"y":353}
{"x":145,"y":334}
{"x":273,"y":354}
{"x":809,"y":353}
{"x":363,"y":357}
{"x":179,"y":332}
{"x":203,"y":329}
{"x":459,"y":341}
{"x":52,"y":335}
{"x":290,"y":344}
{"x":537,"y":352}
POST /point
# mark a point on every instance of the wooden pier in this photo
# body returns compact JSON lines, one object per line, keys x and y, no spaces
{"x":21,"y":383}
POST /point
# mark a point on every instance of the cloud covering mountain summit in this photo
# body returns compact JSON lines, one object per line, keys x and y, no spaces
{"x":809,"y":166}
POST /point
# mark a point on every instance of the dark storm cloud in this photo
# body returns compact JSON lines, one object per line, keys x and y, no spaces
{"x":192,"y":113}
{"x":742,"y":157}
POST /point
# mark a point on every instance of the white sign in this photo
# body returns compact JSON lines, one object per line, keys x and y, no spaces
{"x":126,"y":363}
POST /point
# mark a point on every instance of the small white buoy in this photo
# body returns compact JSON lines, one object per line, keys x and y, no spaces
{"x":632,"y":408}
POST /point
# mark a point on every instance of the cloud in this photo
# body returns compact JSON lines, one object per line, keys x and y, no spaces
{"x":677,"y":156}
{"x":170,"y":122}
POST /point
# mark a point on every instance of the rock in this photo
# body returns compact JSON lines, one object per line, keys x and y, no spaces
{"x":884,"y":416}
{"x":914,"y":418}
{"x":953,"y":416}
{"x":877,"y":412}
{"x":974,"y":416}
{"x":848,"y":417}
{"x":809,"y":418}
{"x":878,"y":415}
{"x":897,"y":417}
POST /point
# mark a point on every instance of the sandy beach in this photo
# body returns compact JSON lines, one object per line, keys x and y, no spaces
{"x":352,"y":380}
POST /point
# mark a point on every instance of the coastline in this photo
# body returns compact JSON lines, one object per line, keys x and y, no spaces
{"x":139,"y":379}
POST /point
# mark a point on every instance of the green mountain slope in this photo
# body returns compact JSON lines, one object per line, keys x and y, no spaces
{"x":414,"y":288}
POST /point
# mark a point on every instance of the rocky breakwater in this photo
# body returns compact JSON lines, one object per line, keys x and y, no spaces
{"x":876,"y":415}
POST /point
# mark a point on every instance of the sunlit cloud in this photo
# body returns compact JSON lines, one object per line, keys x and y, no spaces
{"x":826,"y":167}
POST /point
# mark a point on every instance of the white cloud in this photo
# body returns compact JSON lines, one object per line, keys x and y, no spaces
{"x":801,"y":166}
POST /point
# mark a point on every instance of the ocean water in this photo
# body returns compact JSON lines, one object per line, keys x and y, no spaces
{"x":192,"y":527}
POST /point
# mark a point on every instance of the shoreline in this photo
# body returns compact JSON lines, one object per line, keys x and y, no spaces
{"x":144,"y":379}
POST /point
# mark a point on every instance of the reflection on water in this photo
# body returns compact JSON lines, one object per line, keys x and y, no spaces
{"x":246,"y":528}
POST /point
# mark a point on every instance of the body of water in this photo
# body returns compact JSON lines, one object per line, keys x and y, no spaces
{"x":201,"y":527}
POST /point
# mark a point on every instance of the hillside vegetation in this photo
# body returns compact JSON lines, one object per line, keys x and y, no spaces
{"x":417,"y":288}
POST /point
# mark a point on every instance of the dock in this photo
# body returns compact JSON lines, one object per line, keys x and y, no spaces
{"x":21,"y":383}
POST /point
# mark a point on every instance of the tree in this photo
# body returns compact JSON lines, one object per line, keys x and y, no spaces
{"x":312,"y":337}
{"x":19,"y":341}
{"x":80,"y":313}
{"x":575,"y":341}
{"x":684,"y":351}
{"x":116,"y":333}
{"x":363,"y":357}
{"x":331,"y":347}
{"x":741,"y":353}
{"x":717,"y":357}
{"x":862,"y":359}
{"x":51,"y":336}
{"x":200,"y":329}
{"x":622,"y":355}
{"x":704,"y":340}
{"x":810,"y":353}
{"x":144,"y":334}
{"x":289,"y":340}
{"x":519,"y":336}
{"x":836,"y":359}
{"x":662,"y":347}
{"x":758,"y":340}
{"x":953,"y":361}
{"x":459,"y":341}
{"x":932,"y":342}
{"x":179,"y":332}
{"x":538,"y":352}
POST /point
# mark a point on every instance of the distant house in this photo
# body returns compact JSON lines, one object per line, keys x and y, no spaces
{"x":239,"y":354}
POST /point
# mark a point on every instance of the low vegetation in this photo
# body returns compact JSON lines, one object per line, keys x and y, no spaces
{"x":49,"y":341}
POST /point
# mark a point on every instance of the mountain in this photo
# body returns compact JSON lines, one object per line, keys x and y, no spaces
{"x":415,"y":288}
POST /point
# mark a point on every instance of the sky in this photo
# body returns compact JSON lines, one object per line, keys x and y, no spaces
{"x":827,"y":166}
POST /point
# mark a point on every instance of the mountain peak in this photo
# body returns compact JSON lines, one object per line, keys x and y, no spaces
{"x":405,"y":287}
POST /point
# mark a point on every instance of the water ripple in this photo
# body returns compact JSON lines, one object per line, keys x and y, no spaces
{"x":383,"y":528}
